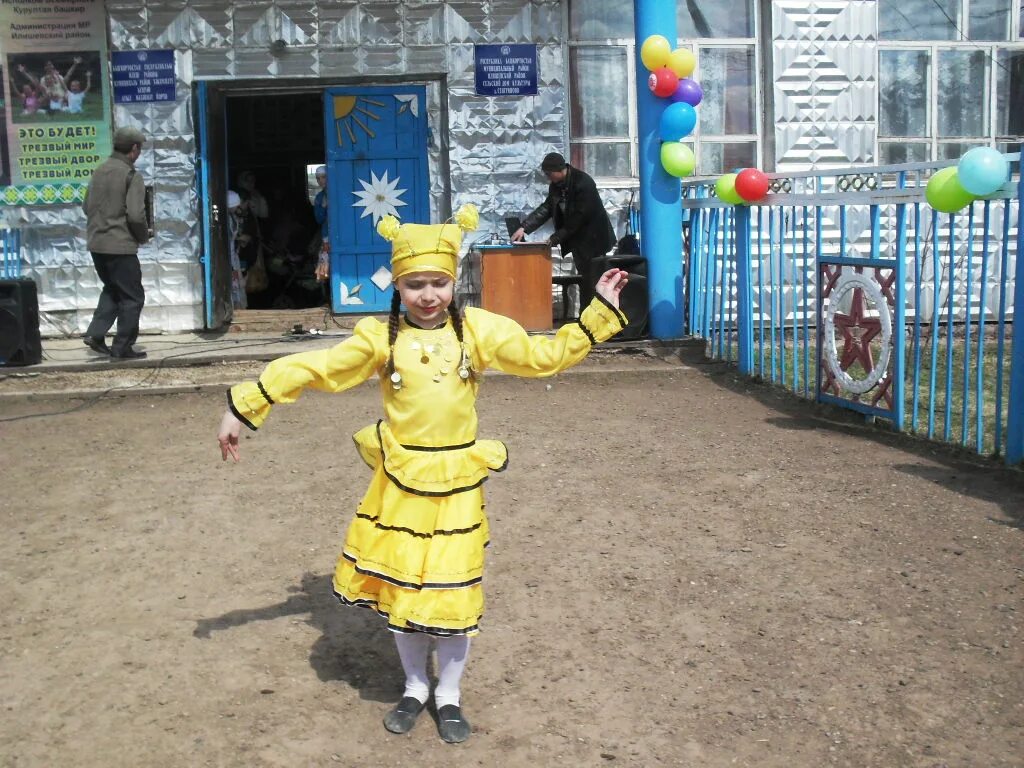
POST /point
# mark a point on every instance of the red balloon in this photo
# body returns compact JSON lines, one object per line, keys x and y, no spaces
{"x":663,"y":82}
{"x":751,"y":184}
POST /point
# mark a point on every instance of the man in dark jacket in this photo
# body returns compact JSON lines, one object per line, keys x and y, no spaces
{"x":581,"y":223}
{"x":116,"y":224}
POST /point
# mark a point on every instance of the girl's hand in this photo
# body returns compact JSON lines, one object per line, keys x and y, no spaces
{"x":611,"y":284}
{"x":227,"y":436}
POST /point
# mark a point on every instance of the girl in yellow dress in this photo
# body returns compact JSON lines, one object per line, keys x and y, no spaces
{"x":415,"y":551}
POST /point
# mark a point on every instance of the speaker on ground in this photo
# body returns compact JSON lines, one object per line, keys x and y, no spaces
{"x":633,"y":299}
{"x":19,"y":323}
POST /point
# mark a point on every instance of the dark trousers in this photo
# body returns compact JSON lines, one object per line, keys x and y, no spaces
{"x":121,"y":300}
{"x":584,"y":261}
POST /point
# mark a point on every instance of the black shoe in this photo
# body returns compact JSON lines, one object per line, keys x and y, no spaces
{"x":97,"y":345}
{"x":452,"y":724}
{"x":402,"y":718}
{"x":128,"y":354}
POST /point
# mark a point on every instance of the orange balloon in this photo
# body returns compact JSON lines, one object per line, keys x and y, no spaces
{"x":682,"y":62}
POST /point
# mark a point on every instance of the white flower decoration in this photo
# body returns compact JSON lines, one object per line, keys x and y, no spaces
{"x":379,"y":197}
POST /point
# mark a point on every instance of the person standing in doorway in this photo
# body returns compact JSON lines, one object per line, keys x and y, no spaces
{"x":235,"y":214}
{"x":115,"y":210}
{"x":582,"y":227}
{"x":257,"y":202}
{"x":323,"y":264}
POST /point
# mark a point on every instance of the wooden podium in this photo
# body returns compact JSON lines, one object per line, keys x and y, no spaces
{"x":515,"y":281}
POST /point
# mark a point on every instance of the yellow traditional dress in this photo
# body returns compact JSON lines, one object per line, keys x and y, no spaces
{"x":415,"y":550}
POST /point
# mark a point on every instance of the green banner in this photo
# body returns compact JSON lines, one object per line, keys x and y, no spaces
{"x":56,"y":114}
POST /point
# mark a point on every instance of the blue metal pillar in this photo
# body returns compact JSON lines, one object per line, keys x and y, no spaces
{"x":661,"y":214}
{"x":1015,"y":407}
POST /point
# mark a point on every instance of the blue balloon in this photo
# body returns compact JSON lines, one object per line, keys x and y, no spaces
{"x":982,"y":171}
{"x":677,"y":121}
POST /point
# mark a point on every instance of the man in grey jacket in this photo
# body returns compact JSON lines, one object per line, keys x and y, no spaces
{"x":115,"y":210}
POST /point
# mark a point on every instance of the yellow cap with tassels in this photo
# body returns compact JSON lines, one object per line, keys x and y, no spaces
{"x":427,"y":247}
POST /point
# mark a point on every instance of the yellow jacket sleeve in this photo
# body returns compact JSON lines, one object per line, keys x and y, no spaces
{"x":341,"y":367}
{"x":503,"y":344}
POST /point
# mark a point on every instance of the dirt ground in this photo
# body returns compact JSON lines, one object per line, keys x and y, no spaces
{"x":686,"y":569}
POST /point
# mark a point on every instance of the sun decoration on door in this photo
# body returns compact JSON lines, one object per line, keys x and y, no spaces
{"x":379,"y":197}
{"x":352,"y":112}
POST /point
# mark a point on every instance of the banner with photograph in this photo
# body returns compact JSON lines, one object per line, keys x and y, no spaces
{"x":53,"y":55}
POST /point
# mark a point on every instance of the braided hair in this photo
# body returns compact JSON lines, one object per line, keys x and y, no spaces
{"x":393,"y":320}
{"x":456,"y":316}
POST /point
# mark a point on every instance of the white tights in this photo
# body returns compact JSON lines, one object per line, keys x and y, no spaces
{"x":452,"y":653}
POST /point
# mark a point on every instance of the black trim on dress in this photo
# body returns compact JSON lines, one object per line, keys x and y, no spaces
{"x":263,"y":392}
{"x":409,"y":322}
{"x":470,"y":444}
{"x":435,"y":494}
{"x":586,"y":331}
{"x":413,"y":627}
{"x":440,"y":631}
{"x":411,"y":532}
{"x":239,"y":416}
{"x":409,"y":584}
{"x":613,"y":308}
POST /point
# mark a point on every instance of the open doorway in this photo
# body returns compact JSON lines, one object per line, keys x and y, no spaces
{"x":264,"y":141}
{"x":275,"y":142}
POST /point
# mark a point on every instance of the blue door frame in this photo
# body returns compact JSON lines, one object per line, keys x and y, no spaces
{"x":212,"y":192}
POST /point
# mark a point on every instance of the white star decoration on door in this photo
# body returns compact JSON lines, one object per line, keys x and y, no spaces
{"x":379,"y":197}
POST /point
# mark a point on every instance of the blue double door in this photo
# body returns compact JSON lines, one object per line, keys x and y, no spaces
{"x":376,"y":142}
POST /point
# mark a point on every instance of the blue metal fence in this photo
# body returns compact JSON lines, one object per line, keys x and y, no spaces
{"x":846,"y":287}
{"x":10,"y":267}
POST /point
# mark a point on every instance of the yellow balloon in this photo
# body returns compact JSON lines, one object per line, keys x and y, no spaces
{"x":655,"y":51}
{"x":682,"y":61}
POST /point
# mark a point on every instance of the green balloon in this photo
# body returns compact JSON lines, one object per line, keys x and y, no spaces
{"x":677,"y":159}
{"x":944,"y":192}
{"x":725,"y":188}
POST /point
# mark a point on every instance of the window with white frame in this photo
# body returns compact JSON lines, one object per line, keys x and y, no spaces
{"x":602,"y":84}
{"x":951,"y":77}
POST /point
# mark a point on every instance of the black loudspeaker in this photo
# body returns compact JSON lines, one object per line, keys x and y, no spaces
{"x":633,"y":302}
{"x":19,"y":323}
{"x":633,"y":299}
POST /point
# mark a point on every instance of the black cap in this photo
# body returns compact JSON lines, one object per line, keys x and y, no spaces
{"x":552,"y":162}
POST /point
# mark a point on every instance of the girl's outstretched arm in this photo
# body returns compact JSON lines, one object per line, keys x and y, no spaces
{"x":611,"y":284}
{"x":227,"y":436}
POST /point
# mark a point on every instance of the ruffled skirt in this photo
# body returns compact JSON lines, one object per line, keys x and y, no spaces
{"x":415,"y":550}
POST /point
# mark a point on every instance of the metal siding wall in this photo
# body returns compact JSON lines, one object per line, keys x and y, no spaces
{"x":825,"y":82}
{"x":494,"y":145}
